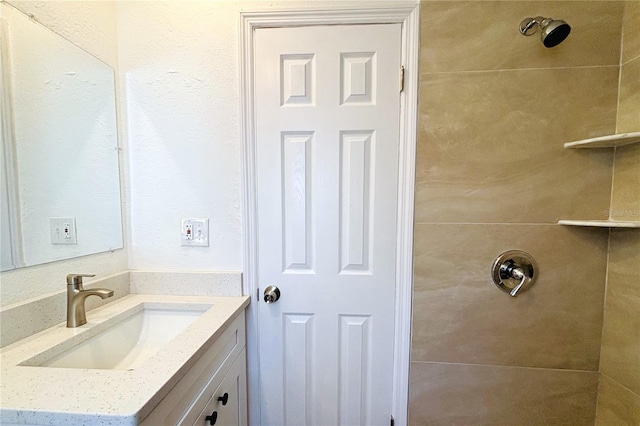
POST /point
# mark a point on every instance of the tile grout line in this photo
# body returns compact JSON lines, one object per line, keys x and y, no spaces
{"x":620,"y":384}
{"x":514,"y":69}
{"x":622,"y":46}
{"x":507,"y":366}
{"x":604,"y":304}
{"x":629,"y":61}
{"x":606,"y":269}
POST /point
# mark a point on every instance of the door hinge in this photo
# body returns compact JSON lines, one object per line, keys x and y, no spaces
{"x":402,"y":79}
{"x":392,"y":422}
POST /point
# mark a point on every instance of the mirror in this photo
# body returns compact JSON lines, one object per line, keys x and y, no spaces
{"x":59,"y":158}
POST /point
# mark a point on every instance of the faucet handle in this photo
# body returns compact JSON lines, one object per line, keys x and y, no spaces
{"x":76,"y":279}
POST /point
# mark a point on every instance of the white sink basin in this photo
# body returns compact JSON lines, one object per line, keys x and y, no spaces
{"x":128,"y":343}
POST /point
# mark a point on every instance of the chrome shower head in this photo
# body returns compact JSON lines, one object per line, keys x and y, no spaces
{"x":554,"y":31}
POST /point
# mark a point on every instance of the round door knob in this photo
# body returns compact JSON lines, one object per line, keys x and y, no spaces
{"x":271,"y":294}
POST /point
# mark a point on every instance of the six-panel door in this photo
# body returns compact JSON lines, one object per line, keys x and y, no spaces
{"x":327,"y":115}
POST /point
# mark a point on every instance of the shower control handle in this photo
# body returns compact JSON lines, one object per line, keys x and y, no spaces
{"x":514,"y":271}
{"x":271,"y":294}
{"x":511,"y":270}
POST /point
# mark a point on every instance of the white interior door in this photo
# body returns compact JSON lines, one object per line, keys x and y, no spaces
{"x":327,"y":120}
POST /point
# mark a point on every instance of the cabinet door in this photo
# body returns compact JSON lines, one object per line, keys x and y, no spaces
{"x":182,"y":405}
{"x":228,"y":405}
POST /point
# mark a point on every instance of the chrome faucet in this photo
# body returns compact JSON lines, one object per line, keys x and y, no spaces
{"x":76,"y":295}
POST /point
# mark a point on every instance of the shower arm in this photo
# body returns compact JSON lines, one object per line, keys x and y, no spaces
{"x":538,"y":21}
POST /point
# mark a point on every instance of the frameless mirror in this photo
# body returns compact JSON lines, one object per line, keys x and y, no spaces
{"x":60,"y":178}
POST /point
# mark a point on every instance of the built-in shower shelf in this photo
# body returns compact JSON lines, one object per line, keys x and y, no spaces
{"x":609,"y":141}
{"x":601,"y":223}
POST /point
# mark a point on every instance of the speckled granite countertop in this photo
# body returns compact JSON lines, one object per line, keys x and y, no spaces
{"x":69,"y":396}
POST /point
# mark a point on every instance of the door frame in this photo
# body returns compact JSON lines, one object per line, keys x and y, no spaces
{"x":407,"y":14}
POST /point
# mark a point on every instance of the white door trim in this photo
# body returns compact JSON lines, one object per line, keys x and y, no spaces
{"x":407,"y":14}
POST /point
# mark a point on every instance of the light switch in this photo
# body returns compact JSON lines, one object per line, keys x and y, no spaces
{"x":195,"y":232}
{"x":63,"y":230}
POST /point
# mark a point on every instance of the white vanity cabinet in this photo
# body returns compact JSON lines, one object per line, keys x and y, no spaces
{"x":228,"y":405}
{"x":177,"y":384}
{"x":197,"y":399}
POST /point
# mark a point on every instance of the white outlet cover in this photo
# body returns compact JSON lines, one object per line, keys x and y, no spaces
{"x":200,"y":232}
{"x":63,"y":230}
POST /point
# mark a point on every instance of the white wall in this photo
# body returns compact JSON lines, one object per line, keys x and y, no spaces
{"x":92,"y":26}
{"x":179,"y":105}
{"x":179,"y":68}
{"x":88,"y":24}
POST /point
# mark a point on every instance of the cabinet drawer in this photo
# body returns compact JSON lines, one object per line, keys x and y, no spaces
{"x":228,"y":404}
{"x":190,"y":393}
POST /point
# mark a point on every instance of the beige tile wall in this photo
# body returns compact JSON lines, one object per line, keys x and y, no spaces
{"x":631,"y":31}
{"x":625,"y":202}
{"x":464,"y":394}
{"x":491,"y":144}
{"x":483,"y":35}
{"x":617,"y":406}
{"x":621,"y":333}
{"x":628,"y":115}
{"x":619,"y":392}
{"x":492,"y":175}
{"x":460,"y":316}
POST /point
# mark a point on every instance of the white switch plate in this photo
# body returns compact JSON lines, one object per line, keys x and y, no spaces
{"x":63,"y":230}
{"x":195,"y":232}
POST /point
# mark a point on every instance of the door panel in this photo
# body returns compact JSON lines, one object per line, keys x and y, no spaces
{"x":296,"y":211}
{"x":327,"y":120}
{"x":355,"y":188}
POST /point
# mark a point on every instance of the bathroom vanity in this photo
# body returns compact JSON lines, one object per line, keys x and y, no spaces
{"x":143,"y":359}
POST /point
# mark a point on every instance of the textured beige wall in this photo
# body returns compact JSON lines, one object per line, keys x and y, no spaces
{"x":619,"y":392}
{"x":492,"y":175}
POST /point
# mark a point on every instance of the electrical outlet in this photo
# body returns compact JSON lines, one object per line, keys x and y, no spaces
{"x":195,"y":232}
{"x":63,"y":230}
